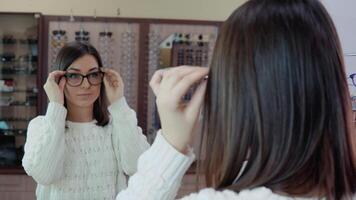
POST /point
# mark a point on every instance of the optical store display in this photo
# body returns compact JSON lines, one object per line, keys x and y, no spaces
{"x":134,"y":47}
{"x":175,"y":45}
{"x":58,"y":39}
{"x":19,"y":60}
{"x":106,"y":47}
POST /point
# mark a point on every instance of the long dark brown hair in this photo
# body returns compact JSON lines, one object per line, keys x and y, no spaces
{"x":277,"y":97}
{"x":73,"y":51}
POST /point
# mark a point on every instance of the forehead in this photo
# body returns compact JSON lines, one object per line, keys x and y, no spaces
{"x":84,"y":63}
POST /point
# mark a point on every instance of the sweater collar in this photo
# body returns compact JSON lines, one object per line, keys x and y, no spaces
{"x":80,"y":124}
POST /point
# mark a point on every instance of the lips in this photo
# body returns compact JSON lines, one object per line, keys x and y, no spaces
{"x":85,"y":94}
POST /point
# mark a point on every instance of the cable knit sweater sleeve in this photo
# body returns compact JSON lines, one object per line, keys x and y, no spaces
{"x":45,"y":145}
{"x":128,"y":140}
{"x":160,"y":172}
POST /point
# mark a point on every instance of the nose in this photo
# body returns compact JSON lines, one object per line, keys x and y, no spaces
{"x":85,"y":84}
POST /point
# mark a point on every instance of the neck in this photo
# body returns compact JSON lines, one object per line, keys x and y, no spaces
{"x":79,"y":114}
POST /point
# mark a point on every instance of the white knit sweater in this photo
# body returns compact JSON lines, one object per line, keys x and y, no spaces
{"x":71,"y":161}
{"x":160,"y":171}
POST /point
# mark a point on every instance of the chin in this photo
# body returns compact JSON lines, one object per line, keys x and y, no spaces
{"x":85,"y":103}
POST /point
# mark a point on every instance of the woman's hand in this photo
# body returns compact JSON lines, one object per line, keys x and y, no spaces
{"x":54,"y":86}
{"x":114,"y":85}
{"x":178,"y":119}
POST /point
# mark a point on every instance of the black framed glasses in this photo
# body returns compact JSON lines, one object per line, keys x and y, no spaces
{"x":76,"y":79}
{"x":103,"y":34}
{"x":82,"y":32}
{"x":59,"y":32}
{"x":352,"y":76}
{"x":79,"y":39}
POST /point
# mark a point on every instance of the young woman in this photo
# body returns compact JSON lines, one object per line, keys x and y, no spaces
{"x":88,"y":141}
{"x":277,"y":114}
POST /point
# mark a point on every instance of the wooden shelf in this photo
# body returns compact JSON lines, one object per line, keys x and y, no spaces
{"x":19,"y":91}
{"x":27,"y":73}
{"x":12,"y":170}
{"x":14,"y":119}
{"x":22,"y":105}
{"x":14,"y":132}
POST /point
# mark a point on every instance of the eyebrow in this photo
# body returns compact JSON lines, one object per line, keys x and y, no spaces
{"x":78,"y":70}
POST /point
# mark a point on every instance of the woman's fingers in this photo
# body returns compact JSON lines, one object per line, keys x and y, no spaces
{"x":178,"y":117}
{"x":110,"y":72}
{"x":173,"y":75}
{"x":54,"y":86}
{"x":194,"y":105}
{"x":156,"y":81}
{"x":55,"y":76}
{"x":188,"y":81}
{"x":113,"y":77}
{"x":62,"y":83}
{"x":107,"y":81}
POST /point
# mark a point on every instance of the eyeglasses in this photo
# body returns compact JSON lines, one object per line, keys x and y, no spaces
{"x":82,"y":36}
{"x":352,"y":76}
{"x":82,"y":33}
{"x":59,"y":32}
{"x":76,"y":79}
{"x":103,"y":34}
{"x":82,"y":39}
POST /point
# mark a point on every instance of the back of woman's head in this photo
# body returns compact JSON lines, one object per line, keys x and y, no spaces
{"x":277,"y":96}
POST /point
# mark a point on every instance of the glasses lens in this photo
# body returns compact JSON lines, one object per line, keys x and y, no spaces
{"x":74,"y":79}
{"x":95,"y":78}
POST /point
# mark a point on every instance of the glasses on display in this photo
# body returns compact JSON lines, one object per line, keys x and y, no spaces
{"x":82,"y":35}
{"x":128,"y":60}
{"x":76,"y":79}
{"x":153,"y":52}
{"x":105,"y":47}
{"x":59,"y":32}
{"x":105,"y":34}
{"x":127,"y":46}
{"x":352,"y":77}
{"x":8,"y":39}
{"x":168,"y":50}
{"x":190,"y":49}
{"x":58,"y":40}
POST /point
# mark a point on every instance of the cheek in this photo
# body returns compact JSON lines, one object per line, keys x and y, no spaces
{"x":69,"y":93}
{"x":96,"y":91}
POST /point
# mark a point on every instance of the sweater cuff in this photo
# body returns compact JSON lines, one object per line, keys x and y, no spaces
{"x":56,"y":112}
{"x":169,"y":163}
{"x":119,"y":106}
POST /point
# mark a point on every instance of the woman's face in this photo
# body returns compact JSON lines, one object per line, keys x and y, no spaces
{"x":84,"y":94}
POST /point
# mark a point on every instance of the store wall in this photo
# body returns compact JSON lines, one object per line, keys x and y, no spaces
{"x":171,"y":9}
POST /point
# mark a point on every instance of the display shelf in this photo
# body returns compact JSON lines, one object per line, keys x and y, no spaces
{"x":20,"y":86}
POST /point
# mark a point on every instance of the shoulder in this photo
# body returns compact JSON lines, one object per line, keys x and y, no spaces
{"x":260,"y":193}
{"x":211,"y":194}
{"x":37,"y":120}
